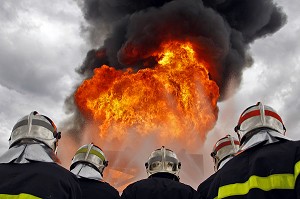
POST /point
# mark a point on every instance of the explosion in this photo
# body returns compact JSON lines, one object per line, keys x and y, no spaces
{"x":156,"y":74}
{"x":175,"y":99}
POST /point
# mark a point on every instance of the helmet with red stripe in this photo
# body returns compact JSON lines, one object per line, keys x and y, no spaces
{"x":256,"y":117}
{"x":224,"y":148}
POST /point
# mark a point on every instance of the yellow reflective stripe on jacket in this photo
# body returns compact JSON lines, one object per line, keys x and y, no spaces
{"x":297,"y":170}
{"x":276,"y":181}
{"x":20,"y":196}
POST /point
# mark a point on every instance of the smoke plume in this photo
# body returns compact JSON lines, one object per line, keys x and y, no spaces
{"x":125,"y":33}
{"x":135,"y":28}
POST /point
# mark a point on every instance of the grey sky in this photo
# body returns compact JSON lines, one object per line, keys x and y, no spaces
{"x":41,"y":45}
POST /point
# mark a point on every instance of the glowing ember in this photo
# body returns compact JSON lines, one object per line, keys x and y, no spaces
{"x":175,"y":99}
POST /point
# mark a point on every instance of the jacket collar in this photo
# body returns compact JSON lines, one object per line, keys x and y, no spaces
{"x":85,"y":171}
{"x":264,"y":136}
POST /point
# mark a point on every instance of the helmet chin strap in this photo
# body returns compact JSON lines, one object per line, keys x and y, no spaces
{"x":56,"y":149}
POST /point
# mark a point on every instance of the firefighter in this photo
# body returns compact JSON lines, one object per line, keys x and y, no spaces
{"x":88,"y":165}
{"x":267,"y":164}
{"x":163,"y":169}
{"x":223,"y":151}
{"x":29,"y":169}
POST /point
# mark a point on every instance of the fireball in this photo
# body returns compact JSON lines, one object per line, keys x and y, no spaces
{"x":174,"y":100}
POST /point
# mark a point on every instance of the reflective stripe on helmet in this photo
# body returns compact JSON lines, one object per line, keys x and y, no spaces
{"x":92,"y":151}
{"x":257,"y":113}
{"x":20,"y":196}
{"x":35,"y":122}
{"x":226,"y":144}
{"x":275,"y":181}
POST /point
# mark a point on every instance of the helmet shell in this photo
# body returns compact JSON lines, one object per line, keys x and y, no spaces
{"x":92,"y":155}
{"x":224,"y":148}
{"x":259,"y":116}
{"x":163,"y":160}
{"x":36,"y":127}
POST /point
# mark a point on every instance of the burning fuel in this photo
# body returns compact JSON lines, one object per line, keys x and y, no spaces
{"x":174,"y":98}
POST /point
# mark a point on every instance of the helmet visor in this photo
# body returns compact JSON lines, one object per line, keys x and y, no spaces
{"x":168,"y":164}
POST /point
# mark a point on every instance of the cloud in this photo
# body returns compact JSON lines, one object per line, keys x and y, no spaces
{"x":40,"y":48}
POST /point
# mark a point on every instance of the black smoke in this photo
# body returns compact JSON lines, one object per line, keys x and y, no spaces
{"x":136,"y":28}
{"x":126,"y":32}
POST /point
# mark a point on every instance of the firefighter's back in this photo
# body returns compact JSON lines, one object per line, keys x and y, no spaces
{"x":37,"y":180}
{"x":97,"y":189}
{"x":270,"y":171}
{"x":158,"y":188}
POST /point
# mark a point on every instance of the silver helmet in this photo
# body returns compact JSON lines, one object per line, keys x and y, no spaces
{"x":92,"y":155}
{"x":163,"y":160}
{"x":259,"y":116}
{"x":224,"y":148}
{"x":35,"y":127}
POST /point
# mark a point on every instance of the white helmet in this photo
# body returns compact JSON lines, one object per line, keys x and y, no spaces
{"x":35,"y":127}
{"x":259,"y":116}
{"x":224,"y":148}
{"x":92,"y":155}
{"x":163,"y":161}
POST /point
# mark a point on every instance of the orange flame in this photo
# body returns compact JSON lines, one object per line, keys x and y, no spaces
{"x":175,"y":100}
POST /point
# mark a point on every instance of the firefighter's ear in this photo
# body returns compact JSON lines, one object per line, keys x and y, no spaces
{"x":237,"y":128}
{"x":105,"y":163}
{"x":57,"y":135}
{"x":213,"y":154}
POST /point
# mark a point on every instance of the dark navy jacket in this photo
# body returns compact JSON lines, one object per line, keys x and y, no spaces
{"x":159,"y":186}
{"x":203,"y":188}
{"x":97,"y":189}
{"x":264,"y":171}
{"x":38,"y":180}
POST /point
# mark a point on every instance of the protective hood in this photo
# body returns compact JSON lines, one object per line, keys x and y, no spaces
{"x":82,"y":170}
{"x":26,"y":153}
{"x":267,"y":136}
